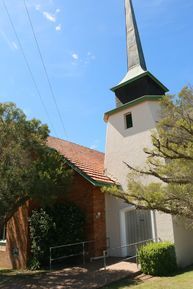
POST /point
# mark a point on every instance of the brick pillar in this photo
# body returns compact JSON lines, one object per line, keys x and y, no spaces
{"x":99,"y":221}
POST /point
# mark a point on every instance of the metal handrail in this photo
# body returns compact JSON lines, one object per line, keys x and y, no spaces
{"x":133,"y":244}
{"x":69,"y":245}
{"x":105,"y":252}
{"x":83,"y":252}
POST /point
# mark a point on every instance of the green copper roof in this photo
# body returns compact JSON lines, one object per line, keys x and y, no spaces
{"x":132,"y":103}
{"x":134,"y":77}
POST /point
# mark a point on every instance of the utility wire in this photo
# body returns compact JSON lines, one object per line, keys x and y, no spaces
{"x":27,"y":64}
{"x":44,"y":67}
{"x":46,"y":74}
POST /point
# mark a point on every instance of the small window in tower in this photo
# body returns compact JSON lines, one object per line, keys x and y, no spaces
{"x":128,"y":120}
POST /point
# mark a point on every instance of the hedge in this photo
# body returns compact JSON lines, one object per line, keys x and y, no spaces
{"x":158,"y":259}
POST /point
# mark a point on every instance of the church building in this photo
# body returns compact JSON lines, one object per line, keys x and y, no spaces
{"x":129,"y":128}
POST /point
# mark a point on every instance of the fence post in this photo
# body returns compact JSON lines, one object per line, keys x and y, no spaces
{"x":136,"y":250}
{"x":104,"y":260}
{"x":50,"y":259}
{"x":83,"y":252}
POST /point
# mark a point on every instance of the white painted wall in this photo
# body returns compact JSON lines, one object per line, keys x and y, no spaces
{"x":126,"y":145}
{"x":164,"y":226}
{"x":183,"y":238}
{"x":113,"y":223}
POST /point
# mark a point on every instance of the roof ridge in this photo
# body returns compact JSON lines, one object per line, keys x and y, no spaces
{"x":76,"y":144}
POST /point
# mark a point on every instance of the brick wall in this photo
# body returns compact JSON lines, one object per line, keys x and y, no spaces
{"x":89,"y":198}
{"x":14,"y":254}
{"x":92,"y":202}
{"x":99,"y":222}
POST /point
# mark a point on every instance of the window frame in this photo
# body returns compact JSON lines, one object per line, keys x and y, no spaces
{"x":126,"y":121}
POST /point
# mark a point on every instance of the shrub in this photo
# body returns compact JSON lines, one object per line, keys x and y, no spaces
{"x":40,"y":225}
{"x":158,"y":259}
{"x":57,"y":225}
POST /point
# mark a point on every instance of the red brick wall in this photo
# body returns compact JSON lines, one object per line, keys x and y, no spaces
{"x":99,"y":222}
{"x":92,"y":201}
{"x":14,"y":253}
{"x":88,"y":197}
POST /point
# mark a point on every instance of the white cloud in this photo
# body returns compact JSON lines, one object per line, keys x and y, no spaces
{"x":59,"y":27}
{"x":49,"y":16}
{"x":91,"y":56}
{"x":14,"y":45}
{"x":38,"y":7}
{"x":75,"y":56}
{"x":95,"y":144}
{"x":93,"y":147}
{"x":52,"y":17}
{"x":81,"y":62}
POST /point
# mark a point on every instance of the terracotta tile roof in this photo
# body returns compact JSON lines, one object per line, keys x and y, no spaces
{"x":90,"y":162}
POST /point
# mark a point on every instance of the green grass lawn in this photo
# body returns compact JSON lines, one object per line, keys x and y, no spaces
{"x":180,"y":281}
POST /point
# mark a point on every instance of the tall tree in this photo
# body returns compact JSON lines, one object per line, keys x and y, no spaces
{"x":28,"y":168}
{"x":166,"y":181}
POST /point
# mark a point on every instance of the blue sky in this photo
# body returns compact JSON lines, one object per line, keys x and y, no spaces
{"x":83,"y":45}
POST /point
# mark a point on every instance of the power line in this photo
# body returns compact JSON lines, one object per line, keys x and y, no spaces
{"x":27,"y":64}
{"x":46,"y":74}
{"x":44,"y":67}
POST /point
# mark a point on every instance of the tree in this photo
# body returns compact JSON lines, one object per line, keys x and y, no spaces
{"x":28,"y":168}
{"x":166,"y":181}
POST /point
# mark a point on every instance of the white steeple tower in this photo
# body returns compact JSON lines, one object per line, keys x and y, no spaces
{"x":129,"y":128}
{"x":129,"y":124}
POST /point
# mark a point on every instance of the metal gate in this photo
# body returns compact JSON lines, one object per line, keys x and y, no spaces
{"x":138,"y":228}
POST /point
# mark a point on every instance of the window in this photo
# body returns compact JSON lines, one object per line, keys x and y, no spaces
{"x":3,"y":233}
{"x":128,"y":120}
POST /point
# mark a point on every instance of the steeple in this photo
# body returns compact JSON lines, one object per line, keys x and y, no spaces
{"x":138,"y":81}
{"x":134,"y":47}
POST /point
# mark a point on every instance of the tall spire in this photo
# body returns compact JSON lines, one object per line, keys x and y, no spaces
{"x":137,"y":82}
{"x":134,"y":48}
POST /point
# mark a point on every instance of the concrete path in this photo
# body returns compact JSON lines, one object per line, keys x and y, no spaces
{"x":87,"y":277}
